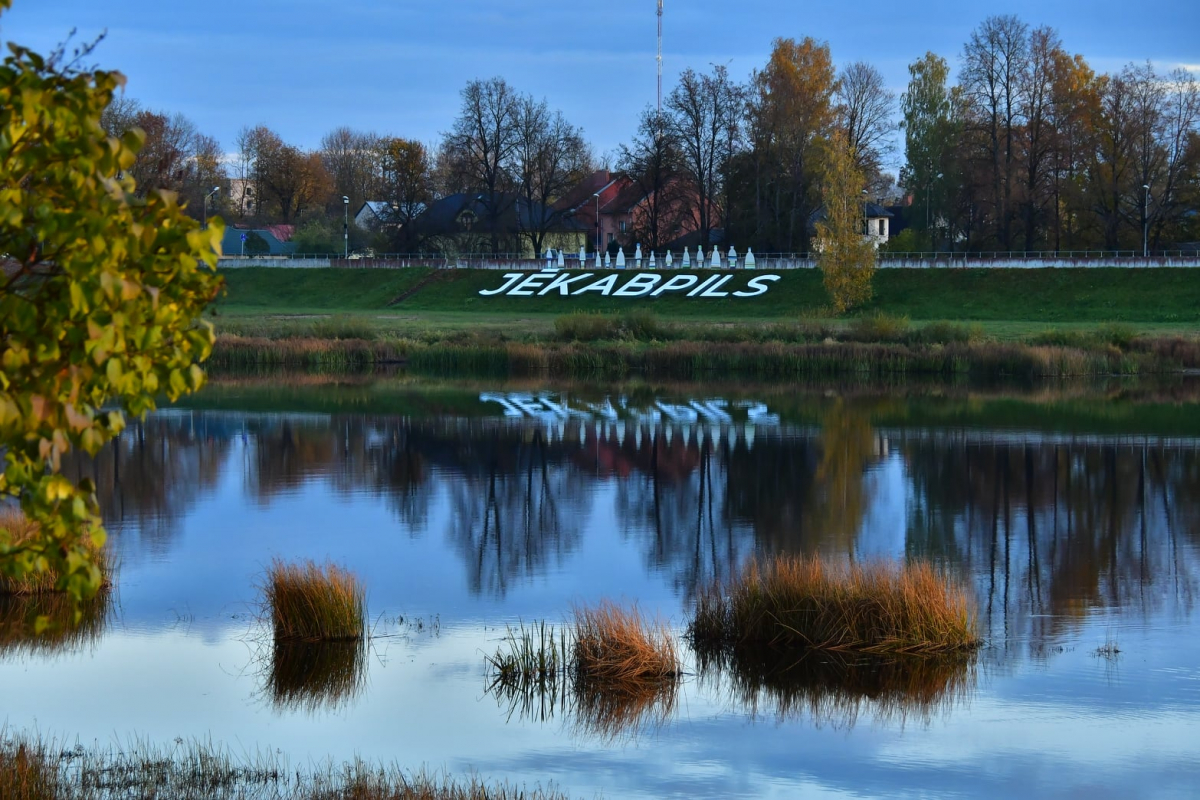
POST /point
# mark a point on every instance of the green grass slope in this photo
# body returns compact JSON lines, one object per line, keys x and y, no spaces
{"x":1163,"y":296}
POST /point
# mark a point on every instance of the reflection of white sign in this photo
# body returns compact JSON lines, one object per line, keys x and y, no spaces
{"x":639,"y":284}
{"x":552,"y":406}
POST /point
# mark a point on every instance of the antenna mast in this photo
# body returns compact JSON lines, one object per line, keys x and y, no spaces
{"x":659,"y":58}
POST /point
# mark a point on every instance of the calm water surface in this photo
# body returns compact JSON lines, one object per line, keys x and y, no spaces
{"x":1073,"y":514}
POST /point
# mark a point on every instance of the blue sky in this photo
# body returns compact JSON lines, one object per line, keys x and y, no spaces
{"x":394,"y":66}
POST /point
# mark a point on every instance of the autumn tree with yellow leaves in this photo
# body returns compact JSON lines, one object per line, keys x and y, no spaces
{"x":845,"y":255}
{"x":101,"y":288}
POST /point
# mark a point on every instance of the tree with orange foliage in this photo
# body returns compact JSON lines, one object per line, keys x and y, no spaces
{"x":791,"y":113}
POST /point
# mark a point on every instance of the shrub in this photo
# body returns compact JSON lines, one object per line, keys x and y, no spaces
{"x":1055,"y":337}
{"x":312,"y":602}
{"x":1117,"y":334}
{"x":582,"y":326}
{"x":878,"y":327}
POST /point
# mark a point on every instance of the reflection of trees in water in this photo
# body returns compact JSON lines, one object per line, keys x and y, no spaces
{"x":152,"y":474}
{"x":1054,"y":531}
{"x":804,"y":494}
{"x":517,"y":507}
{"x":352,"y":454}
{"x":676,"y":500}
{"x":1113,"y":523}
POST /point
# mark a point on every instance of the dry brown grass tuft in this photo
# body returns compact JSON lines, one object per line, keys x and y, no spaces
{"x":26,"y":772}
{"x":795,"y":602}
{"x":19,"y":530}
{"x":312,"y":602}
{"x":616,"y":673}
{"x":618,"y":645}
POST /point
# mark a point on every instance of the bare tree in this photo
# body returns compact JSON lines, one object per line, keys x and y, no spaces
{"x":481,"y":145}
{"x":995,"y":61}
{"x":866,"y":113}
{"x":1180,"y":145}
{"x":550,"y":157}
{"x":704,"y":112}
{"x":652,"y":162}
{"x":1037,"y":140}
{"x":354,"y":160}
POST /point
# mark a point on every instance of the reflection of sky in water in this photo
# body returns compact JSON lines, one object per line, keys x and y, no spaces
{"x":1048,"y":716}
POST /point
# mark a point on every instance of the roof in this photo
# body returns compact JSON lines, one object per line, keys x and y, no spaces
{"x":875,"y":211}
{"x":231,"y":243}
{"x":582,"y":193}
{"x":454,"y":213}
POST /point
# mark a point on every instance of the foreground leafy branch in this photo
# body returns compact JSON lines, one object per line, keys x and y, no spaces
{"x":100,"y":295}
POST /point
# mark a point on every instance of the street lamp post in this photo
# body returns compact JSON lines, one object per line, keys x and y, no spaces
{"x":1146,"y":220}
{"x":215,"y":189}
{"x":346,"y":227}
{"x":597,"y":196}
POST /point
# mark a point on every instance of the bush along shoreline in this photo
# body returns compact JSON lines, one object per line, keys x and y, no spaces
{"x":613,"y":346}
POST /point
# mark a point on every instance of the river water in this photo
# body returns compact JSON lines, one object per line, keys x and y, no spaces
{"x":1072,"y":512}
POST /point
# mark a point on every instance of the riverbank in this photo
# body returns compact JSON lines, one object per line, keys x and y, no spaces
{"x":983,"y":324}
{"x":1161,"y":297}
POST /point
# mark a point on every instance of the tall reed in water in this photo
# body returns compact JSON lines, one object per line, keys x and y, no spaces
{"x":313,"y":602}
{"x":803,"y":602}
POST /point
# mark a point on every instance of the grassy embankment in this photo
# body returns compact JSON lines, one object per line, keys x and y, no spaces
{"x":1024,"y":323}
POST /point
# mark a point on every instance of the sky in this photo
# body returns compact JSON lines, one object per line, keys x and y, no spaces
{"x":396,"y":67}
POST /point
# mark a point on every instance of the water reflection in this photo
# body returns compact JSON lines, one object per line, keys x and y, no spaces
{"x":1051,"y":527}
{"x":1055,"y":530}
{"x":836,"y":690}
{"x":315,"y":676}
{"x":62,"y":630}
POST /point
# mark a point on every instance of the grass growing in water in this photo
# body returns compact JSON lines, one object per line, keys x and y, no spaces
{"x":616,"y":671}
{"x":17,"y":529}
{"x":310,"y":602}
{"x":35,"y":769}
{"x":618,"y":645}
{"x":797,"y":603}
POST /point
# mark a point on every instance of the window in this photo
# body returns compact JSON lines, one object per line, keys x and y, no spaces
{"x":611,"y":237}
{"x":623,"y":224}
{"x":883,"y":227}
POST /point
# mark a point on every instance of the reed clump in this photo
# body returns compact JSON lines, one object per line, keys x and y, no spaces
{"x":17,"y":529}
{"x":310,"y":602}
{"x":618,"y":645}
{"x":798,"y":603}
{"x":27,"y":772}
{"x":613,"y":669}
